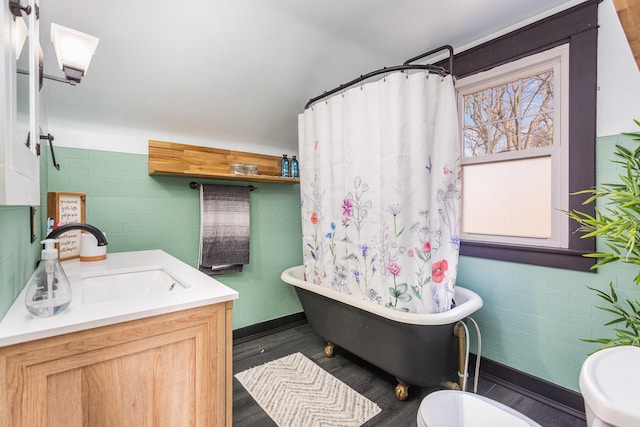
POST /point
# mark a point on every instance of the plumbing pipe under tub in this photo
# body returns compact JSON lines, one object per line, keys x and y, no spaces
{"x":459,"y":331}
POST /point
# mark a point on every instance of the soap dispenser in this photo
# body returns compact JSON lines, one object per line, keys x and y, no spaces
{"x":48,"y":289}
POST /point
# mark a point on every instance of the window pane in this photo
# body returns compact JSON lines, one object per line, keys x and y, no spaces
{"x":497,"y":142}
{"x":537,"y":131}
{"x":487,"y":99}
{"x":472,"y":109}
{"x":505,"y":136}
{"x":505,"y":101}
{"x":475,"y":139}
{"x":537,"y":93}
{"x":518,"y":116}
{"x":511,"y":198}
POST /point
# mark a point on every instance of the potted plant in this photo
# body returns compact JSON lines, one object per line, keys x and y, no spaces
{"x":617,"y":223}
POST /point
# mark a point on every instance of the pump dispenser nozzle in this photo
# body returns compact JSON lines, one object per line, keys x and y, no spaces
{"x":48,"y":289}
{"x":49,"y":251}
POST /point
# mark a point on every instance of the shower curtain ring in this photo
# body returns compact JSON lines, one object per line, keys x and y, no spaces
{"x":384,"y":79}
{"x":361,"y":79}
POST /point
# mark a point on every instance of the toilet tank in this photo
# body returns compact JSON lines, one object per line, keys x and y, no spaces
{"x":609,"y":382}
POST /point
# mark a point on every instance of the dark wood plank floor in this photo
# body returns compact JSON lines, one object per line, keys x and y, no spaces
{"x":366,"y":379}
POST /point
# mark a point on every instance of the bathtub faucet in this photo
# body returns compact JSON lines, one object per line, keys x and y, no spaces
{"x":102,"y":240}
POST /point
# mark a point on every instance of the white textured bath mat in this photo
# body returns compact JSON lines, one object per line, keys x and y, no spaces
{"x":296,"y":392}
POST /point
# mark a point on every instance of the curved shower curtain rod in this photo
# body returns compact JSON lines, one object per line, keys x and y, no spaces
{"x":405,"y":66}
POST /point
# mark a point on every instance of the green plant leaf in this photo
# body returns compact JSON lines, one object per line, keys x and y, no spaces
{"x":613,"y":322}
{"x":616,"y":222}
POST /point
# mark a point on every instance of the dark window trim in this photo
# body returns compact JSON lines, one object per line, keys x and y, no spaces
{"x":577,"y":26}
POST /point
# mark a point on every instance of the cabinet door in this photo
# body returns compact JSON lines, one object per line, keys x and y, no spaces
{"x":170,"y":370}
{"x":19,"y":102}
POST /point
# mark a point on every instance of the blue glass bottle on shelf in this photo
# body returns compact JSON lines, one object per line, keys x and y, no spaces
{"x":295,"y":170}
{"x":285,"y":167}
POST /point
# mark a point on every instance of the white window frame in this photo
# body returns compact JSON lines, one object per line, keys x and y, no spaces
{"x":557,"y":59}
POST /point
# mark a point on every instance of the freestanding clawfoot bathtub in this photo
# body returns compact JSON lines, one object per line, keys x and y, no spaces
{"x":418,"y":349}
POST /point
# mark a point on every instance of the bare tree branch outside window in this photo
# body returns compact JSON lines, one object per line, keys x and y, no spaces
{"x":514,"y":116}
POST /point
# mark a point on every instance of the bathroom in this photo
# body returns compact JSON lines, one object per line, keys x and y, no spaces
{"x":534,"y":318}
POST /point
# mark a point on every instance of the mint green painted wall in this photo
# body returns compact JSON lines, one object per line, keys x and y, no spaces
{"x":18,"y":256}
{"x":534,"y":318}
{"x":141,"y":212}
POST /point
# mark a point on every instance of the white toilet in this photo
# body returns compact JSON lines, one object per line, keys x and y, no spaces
{"x":610,"y":386}
{"x":448,"y":408}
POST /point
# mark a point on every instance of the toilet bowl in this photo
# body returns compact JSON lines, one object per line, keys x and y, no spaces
{"x":609,"y":381}
{"x":449,"y":408}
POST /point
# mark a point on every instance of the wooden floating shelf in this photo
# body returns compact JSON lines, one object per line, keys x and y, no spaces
{"x":173,"y":159}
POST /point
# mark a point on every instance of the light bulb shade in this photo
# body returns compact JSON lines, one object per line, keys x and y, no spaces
{"x":20,"y":34}
{"x":73,"y":48}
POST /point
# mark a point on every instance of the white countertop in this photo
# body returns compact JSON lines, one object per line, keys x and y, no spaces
{"x":20,"y":326}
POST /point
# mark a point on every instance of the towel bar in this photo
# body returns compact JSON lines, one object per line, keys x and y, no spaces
{"x":195,"y":185}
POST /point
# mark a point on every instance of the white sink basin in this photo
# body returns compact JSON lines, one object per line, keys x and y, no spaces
{"x":128,"y":284}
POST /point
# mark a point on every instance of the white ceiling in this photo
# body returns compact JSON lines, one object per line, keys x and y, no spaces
{"x":241,"y":70}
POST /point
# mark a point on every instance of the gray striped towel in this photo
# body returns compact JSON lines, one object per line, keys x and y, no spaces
{"x":224,"y":228}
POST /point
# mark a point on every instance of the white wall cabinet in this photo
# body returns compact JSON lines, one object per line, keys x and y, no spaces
{"x":19,"y":164}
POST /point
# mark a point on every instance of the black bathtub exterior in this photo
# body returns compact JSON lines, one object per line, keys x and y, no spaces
{"x":422,"y":355}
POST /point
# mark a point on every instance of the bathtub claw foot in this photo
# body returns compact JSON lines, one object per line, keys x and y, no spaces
{"x":328,"y":349}
{"x":402,"y":390}
{"x":450,"y":385}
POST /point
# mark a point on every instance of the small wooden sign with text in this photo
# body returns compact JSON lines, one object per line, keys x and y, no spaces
{"x":66,"y":208}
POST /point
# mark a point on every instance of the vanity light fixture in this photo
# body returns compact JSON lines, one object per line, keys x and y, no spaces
{"x":21,"y":32}
{"x":74,"y":49}
{"x":16,"y":8}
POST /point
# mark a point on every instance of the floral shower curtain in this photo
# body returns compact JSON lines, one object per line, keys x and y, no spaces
{"x":380,"y":189}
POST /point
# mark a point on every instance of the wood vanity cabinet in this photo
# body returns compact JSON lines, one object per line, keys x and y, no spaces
{"x":169,"y":370}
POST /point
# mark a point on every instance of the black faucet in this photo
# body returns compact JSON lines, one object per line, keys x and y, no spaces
{"x":102,"y":240}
